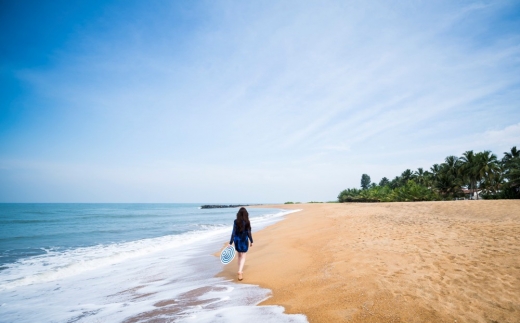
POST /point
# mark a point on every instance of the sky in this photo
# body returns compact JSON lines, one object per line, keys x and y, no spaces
{"x":247,"y":101}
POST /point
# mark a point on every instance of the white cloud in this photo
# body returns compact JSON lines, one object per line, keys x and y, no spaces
{"x":501,"y":140}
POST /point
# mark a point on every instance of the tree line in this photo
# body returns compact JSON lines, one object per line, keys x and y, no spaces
{"x":479,"y":175}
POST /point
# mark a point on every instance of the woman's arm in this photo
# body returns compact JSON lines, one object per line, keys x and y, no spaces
{"x":233,"y":233}
{"x":250,"y":236}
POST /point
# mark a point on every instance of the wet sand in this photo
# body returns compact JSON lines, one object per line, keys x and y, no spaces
{"x":392,"y":262}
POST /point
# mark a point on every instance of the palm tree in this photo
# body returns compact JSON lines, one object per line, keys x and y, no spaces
{"x":428,"y":179}
{"x":514,"y":173}
{"x":396,"y":182}
{"x":420,"y":176}
{"x":434,"y":170}
{"x":448,"y":185}
{"x":447,"y":181}
{"x":433,"y":174}
{"x":384,"y":182}
{"x":406,"y":176}
{"x":467,"y":169}
{"x":515,"y":153}
{"x":487,"y":165}
{"x":453,"y":164}
{"x":494,"y":182}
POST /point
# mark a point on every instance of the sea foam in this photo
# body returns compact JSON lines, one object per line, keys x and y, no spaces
{"x":171,"y":277}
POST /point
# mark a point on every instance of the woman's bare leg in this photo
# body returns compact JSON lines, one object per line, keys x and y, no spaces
{"x":241,"y":261}
{"x":239,"y":258}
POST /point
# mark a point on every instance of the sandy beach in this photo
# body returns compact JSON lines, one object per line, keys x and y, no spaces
{"x":453,"y":261}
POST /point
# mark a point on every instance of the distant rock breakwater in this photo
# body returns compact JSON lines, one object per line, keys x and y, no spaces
{"x":222,"y":206}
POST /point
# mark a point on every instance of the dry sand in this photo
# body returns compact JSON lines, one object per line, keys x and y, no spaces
{"x":392,"y":262}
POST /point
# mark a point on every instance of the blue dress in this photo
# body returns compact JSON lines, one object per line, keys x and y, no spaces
{"x":241,"y":239}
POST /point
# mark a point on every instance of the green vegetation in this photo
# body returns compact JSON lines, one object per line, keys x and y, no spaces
{"x":473,"y":174}
{"x":289,"y":203}
{"x":365,"y":181}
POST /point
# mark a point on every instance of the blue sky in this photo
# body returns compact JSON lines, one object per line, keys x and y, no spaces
{"x":247,"y":101}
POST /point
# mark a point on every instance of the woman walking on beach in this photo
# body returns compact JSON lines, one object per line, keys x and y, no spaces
{"x":241,"y":236}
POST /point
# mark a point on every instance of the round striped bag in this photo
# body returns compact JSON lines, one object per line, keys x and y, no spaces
{"x":227,"y":255}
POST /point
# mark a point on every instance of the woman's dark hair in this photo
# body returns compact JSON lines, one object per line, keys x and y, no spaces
{"x":243,"y":220}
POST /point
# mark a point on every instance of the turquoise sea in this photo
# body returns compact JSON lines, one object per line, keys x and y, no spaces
{"x":121,"y":262}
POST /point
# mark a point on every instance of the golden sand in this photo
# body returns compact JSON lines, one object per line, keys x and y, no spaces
{"x":392,"y":262}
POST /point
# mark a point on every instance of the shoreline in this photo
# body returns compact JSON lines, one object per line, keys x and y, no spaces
{"x":163,"y":278}
{"x":391,"y":262}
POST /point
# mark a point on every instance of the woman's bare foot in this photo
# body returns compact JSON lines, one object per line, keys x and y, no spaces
{"x":240,"y":276}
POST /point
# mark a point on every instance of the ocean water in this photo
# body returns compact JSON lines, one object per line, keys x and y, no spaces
{"x":124,"y":263}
